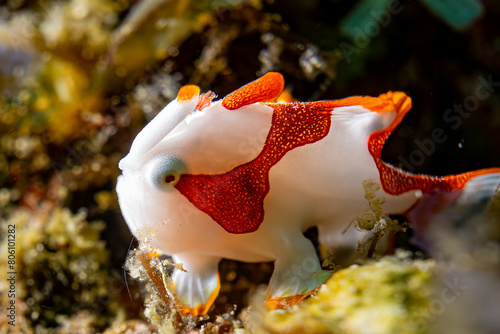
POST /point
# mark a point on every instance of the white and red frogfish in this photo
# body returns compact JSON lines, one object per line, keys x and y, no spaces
{"x":242,"y":178}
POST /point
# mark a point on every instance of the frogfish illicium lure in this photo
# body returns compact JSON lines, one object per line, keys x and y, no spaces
{"x":242,"y":178}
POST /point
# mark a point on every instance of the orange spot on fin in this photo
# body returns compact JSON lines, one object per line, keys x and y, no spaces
{"x":266,"y":88}
{"x":186,"y":93}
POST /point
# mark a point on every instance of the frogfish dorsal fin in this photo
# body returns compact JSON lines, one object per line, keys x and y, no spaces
{"x":396,"y":181}
{"x":266,"y":88}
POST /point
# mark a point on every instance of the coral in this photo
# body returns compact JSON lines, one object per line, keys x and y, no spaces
{"x":388,"y":296}
{"x":62,"y":270}
{"x":131,"y":327}
{"x":161,"y":308}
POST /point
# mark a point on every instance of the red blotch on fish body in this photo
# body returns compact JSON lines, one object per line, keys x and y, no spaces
{"x":235,"y":199}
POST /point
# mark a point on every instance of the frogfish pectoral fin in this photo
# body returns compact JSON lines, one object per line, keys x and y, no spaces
{"x":293,"y":295}
{"x":197,"y":287}
{"x":202,"y":309}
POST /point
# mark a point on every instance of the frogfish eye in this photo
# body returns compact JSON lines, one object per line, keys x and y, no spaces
{"x":169,"y":178}
{"x":165,"y":171}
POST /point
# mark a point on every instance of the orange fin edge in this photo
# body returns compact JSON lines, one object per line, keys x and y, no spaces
{"x":283,"y":302}
{"x":396,"y":181}
{"x":266,"y":88}
{"x":202,"y":309}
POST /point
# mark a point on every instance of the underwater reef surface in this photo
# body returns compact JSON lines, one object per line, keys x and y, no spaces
{"x":390,"y":296}
{"x":80,"y":78}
